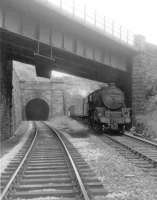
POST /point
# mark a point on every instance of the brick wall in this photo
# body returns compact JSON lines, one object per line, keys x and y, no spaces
{"x":5,"y":95}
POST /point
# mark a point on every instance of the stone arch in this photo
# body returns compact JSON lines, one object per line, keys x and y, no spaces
{"x":33,"y":95}
{"x":28,"y":98}
{"x":37,"y":109}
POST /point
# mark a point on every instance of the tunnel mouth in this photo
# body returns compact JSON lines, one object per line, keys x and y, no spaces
{"x":37,"y":110}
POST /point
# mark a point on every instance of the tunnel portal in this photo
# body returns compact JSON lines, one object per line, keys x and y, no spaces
{"x":37,"y":110}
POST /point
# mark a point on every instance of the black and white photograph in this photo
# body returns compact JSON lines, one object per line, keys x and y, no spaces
{"x":78,"y":100}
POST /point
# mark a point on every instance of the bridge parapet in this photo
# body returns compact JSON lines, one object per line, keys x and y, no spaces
{"x":91,"y":17}
{"x":76,"y":12}
{"x":89,"y":35}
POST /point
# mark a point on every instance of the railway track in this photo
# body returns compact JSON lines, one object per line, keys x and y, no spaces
{"x":52,"y":168}
{"x":13,"y":165}
{"x":140,"y":152}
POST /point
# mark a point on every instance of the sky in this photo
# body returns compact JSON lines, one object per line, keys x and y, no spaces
{"x":58,"y":74}
{"x":139,"y":16}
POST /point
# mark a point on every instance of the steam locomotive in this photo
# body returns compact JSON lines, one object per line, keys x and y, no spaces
{"x":106,"y":108}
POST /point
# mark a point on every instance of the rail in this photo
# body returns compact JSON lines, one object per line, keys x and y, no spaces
{"x":134,"y":149}
{"x":14,"y":176}
{"x":142,"y":139}
{"x":92,"y":17}
{"x":80,"y":182}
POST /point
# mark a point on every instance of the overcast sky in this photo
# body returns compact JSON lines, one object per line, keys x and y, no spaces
{"x":140,"y":16}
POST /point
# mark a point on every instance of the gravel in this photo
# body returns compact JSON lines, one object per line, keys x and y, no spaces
{"x":121,"y":179}
{"x":45,"y":198}
{"x":11,"y":147}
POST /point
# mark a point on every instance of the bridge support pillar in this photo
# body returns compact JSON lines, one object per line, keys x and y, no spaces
{"x":138,"y":76}
{"x":5,"y":95}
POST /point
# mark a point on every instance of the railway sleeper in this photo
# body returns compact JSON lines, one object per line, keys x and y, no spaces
{"x":41,"y":176}
{"x":45,"y":180}
{"x":46,"y":167}
{"x":63,"y":186}
{"x":45,"y":193}
{"x":47,"y":171}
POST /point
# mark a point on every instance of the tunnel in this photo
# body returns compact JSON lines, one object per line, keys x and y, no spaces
{"x":37,"y":110}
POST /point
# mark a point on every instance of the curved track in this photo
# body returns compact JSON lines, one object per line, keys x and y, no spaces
{"x":140,"y":152}
{"x":13,"y":165}
{"x":52,"y":168}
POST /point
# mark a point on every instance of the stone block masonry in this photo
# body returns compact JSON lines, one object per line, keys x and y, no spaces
{"x":138,"y":90}
{"x":138,"y":70}
{"x":50,"y":92}
{"x":151,"y":63}
{"x":57,"y":101}
{"x":16,"y":102}
{"x":27,"y":86}
{"x":5,"y":95}
{"x":144,"y":73}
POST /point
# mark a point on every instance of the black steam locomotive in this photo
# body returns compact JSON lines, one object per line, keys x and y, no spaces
{"x":106,"y":109}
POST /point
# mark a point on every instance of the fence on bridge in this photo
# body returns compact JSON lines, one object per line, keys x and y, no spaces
{"x":91,"y":17}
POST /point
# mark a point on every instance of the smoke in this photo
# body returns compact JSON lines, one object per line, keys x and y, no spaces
{"x":78,"y":92}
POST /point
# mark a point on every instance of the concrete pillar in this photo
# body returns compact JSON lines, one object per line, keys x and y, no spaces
{"x":5,"y":95}
{"x":138,"y":76}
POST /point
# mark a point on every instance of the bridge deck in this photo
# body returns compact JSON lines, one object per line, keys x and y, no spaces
{"x":77,"y":19}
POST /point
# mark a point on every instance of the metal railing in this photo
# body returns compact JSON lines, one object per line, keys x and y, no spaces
{"x":91,"y":17}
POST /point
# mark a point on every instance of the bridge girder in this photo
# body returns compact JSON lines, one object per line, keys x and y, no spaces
{"x":23,"y":49}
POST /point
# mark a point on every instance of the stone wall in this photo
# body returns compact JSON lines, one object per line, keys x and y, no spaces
{"x":75,"y":90}
{"x":138,"y":76}
{"x":50,"y":92}
{"x":5,"y":95}
{"x":16,"y":102}
{"x":144,"y":77}
{"x":31,"y":87}
{"x":57,"y":99}
{"x":32,"y":90}
{"x":151,"y":70}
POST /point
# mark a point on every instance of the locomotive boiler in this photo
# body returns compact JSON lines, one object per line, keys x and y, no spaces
{"x":106,"y":108}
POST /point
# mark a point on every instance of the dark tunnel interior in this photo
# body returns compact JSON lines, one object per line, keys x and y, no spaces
{"x":37,"y":110}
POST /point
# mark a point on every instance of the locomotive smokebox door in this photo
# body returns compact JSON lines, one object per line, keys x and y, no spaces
{"x":112,"y":97}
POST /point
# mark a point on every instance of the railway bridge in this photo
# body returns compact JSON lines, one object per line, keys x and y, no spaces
{"x":55,"y":35}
